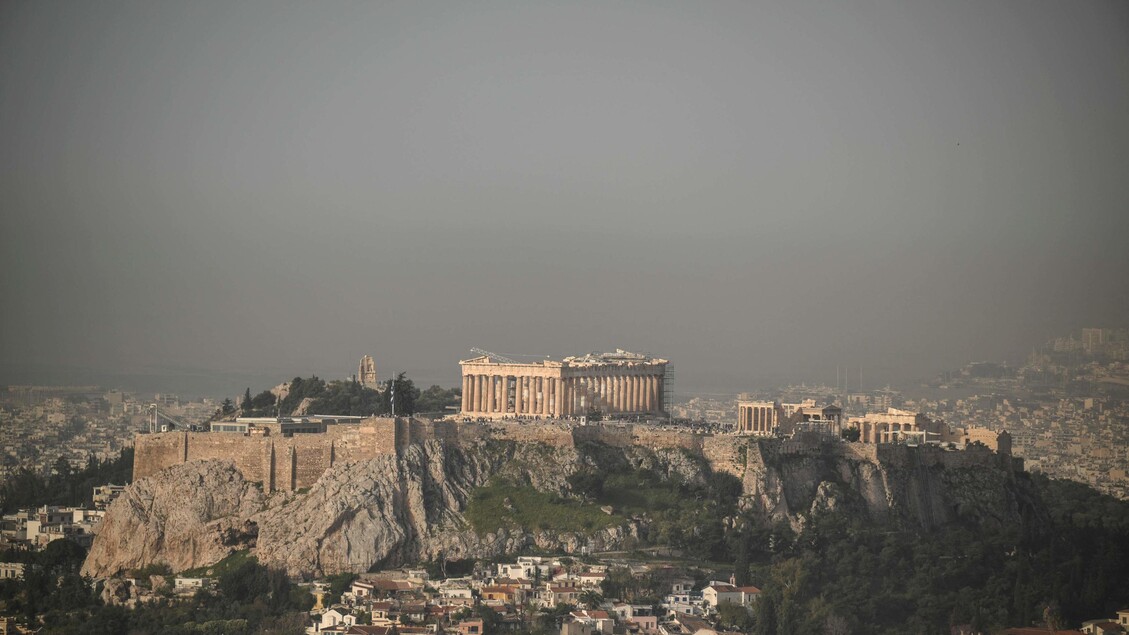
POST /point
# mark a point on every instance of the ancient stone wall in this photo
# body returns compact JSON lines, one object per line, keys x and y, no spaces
{"x":554,"y":434}
{"x":155,"y":452}
{"x":288,"y":463}
{"x":727,"y":454}
{"x":279,"y":463}
{"x":615,"y":435}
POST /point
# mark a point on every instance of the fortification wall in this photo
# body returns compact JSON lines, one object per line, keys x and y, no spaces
{"x":248,"y":453}
{"x":727,"y":454}
{"x":154,"y":452}
{"x":287,"y":463}
{"x":554,"y":434}
{"x":615,"y":435}
{"x":648,"y":436}
{"x":903,"y":456}
{"x":280,"y":463}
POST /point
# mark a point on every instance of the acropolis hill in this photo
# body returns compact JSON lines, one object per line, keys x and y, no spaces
{"x":392,"y":491}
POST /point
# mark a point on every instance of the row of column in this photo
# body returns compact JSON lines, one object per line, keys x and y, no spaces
{"x":491,"y":394}
{"x":616,"y":393}
{"x":757,"y":419}
{"x":555,"y":396}
{"x":882,"y":432}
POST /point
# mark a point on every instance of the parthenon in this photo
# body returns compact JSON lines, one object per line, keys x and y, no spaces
{"x":608,"y":383}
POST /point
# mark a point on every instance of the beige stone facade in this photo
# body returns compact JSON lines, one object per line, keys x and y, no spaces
{"x":769,"y":418}
{"x":895,"y":425}
{"x":609,"y":383}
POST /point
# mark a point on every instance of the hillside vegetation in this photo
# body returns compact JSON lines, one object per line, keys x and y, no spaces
{"x":348,"y":398}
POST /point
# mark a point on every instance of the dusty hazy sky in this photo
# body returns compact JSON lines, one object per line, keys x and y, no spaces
{"x":755,"y":192}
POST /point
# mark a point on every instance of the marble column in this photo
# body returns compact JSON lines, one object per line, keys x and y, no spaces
{"x":478,"y":392}
{"x":530,"y":396}
{"x":549,"y":396}
{"x":624,"y":387}
{"x":529,"y":406}
{"x":646,"y":392}
{"x":546,"y":393}
{"x":563,"y":403}
{"x":505,"y":403}
{"x":534,"y":397}
{"x":517,"y":395}
{"x":570,"y":398}
{"x":554,"y":397}
{"x":543,"y":388}
{"x":548,"y":385}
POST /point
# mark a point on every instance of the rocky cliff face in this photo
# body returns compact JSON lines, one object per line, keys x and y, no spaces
{"x":188,"y":515}
{"x":388,"y":510}
{"x":394,"y":510}
{"x":926,"y":486}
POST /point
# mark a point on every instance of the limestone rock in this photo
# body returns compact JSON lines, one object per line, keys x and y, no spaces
{"x":116,"y":592}
{"x":186,"y":516}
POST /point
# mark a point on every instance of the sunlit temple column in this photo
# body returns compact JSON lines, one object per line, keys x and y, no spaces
{"x":544,"y":385}
{"x":651,"y":393}
{"x":505,"y":403}
{"x":465,"y":399}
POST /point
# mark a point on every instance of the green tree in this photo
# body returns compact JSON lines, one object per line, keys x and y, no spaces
{"x":405,"y":393}
{"x":436,"y":399}
{"x":733,"y":615}
{"x":591,"y":599}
